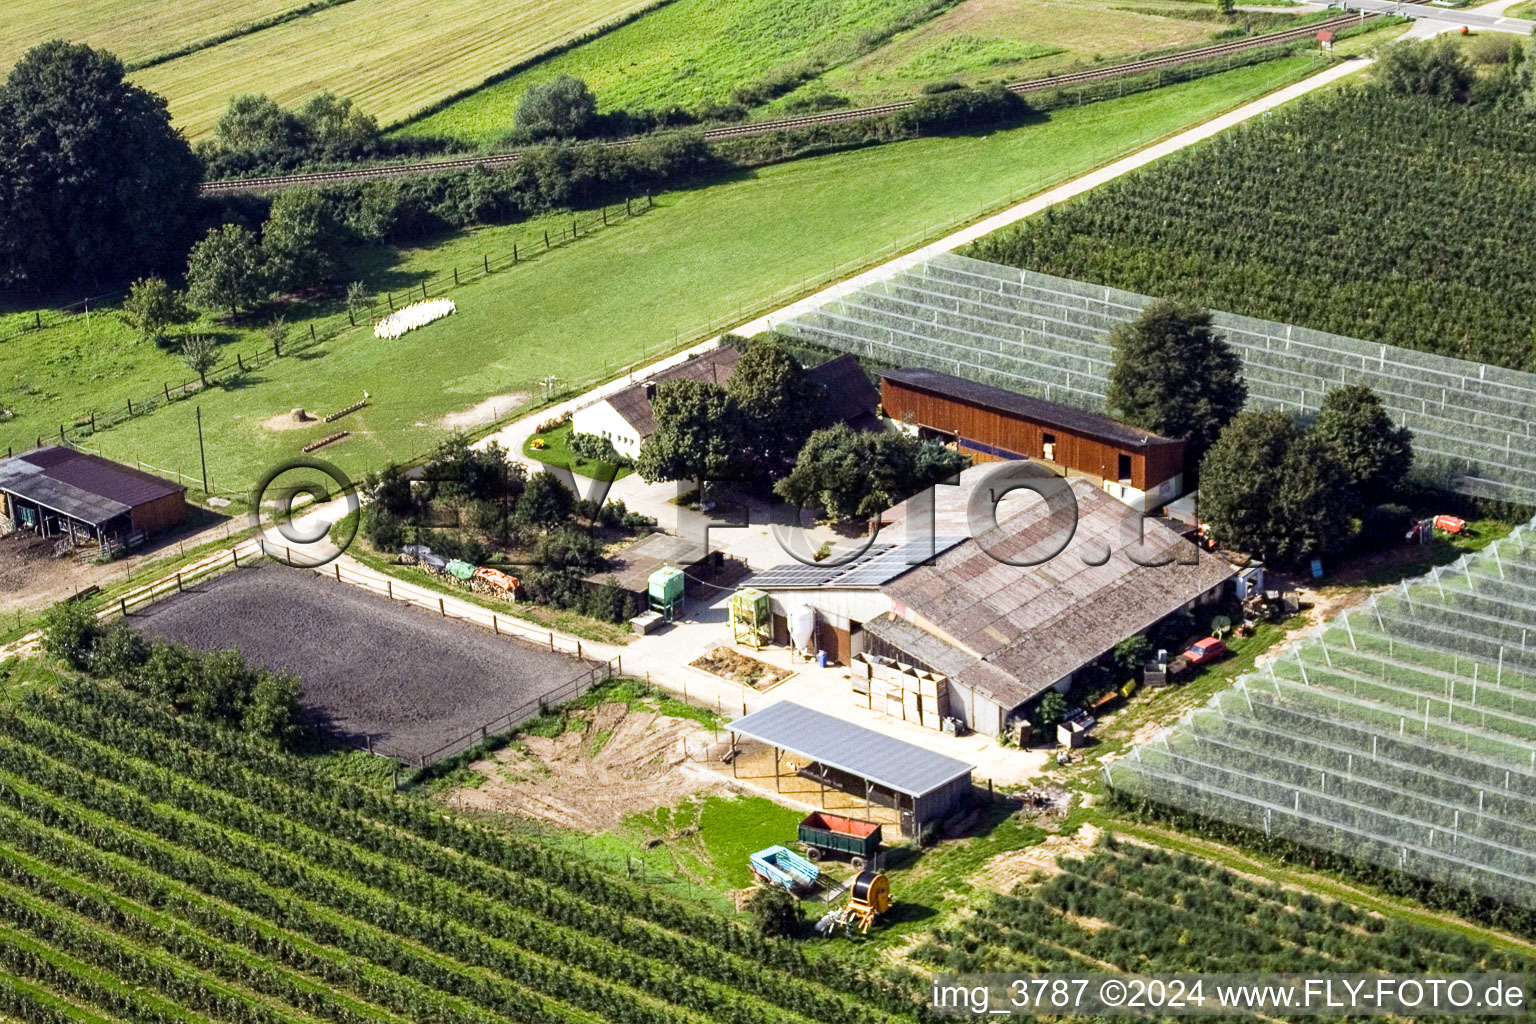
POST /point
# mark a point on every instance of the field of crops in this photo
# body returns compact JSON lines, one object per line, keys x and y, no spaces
{"x":1402,"y":736}
{"x":133,"y":30}
{"x":1393,"y":220}
{"x":1137,"y":909}
{"x":687,"y":52}
{"x":157,"y":870}
{"x":394,"y":57}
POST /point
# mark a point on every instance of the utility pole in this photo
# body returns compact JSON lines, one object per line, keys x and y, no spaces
{"x":200,"y":453}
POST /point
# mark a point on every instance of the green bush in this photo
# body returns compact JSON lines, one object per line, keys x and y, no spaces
{"x":70,"y":631}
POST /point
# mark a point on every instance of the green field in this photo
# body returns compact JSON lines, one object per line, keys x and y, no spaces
{"x":1009,"y":40}
{"x":688,"y":52}
{"x":647,"y":284}
{"x":133,"y":29}
{"x":394,"y":57}
{"x":159,"y":870}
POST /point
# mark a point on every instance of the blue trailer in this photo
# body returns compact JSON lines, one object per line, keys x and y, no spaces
{"x":780,"y":866}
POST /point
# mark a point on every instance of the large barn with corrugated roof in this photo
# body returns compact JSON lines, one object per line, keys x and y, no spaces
{"x":1000,"y":634}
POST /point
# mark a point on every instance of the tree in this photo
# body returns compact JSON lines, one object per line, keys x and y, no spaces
{"x":277,"y":334}
{"x":272,"y":710}
{"x":1374,"y":453}
{"x":1051,"y":709}
{"x":200,"y":355}
{"x":256,"y":123}
{"x":698,"y":436}
{"x":329,"y":119}
{"x":559,"y":108}
{"x":1269,"y":489}
{"x":224,"y":270}
{"x":300,"y":241}
{"x":95,"y":184}
{"x":358,"y":299}
{"x":1523,"y":78}
{"x":780,"y":405}
{"x":151,"y":307}
{"x":775,"y":912}
{"x":842,"y":472}
{"x":545,"y":501}
{"x":1435,"y":68}
{"x":70,"y":632}
{"x":1173,"y":375}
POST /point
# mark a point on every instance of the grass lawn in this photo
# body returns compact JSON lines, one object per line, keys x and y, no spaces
{"x":132,"y":30}
{"x":394,"y":57}
{"x":557,"y":452}
{"x":701,"y":259}
{"x":1403,"y":562}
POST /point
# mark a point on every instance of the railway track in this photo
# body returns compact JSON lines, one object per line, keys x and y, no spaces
{"x":497,"y":160}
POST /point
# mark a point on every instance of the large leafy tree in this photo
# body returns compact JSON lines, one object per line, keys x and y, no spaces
{"x":301,"y":240}
{"x":1435,"y":68}
{"x":842,"y":472}
{"x":1373,"y":452}
{"x":1269,"y":489}
{"x":1175,"y":376}
{"x":226,"y":270}
{"x":559,"y":108}
{"x":330,"y":119}
{"x":780,"y":405}
{"x":95,"y":184}
{"x":699,"y":434}
{"x":256,"y":123}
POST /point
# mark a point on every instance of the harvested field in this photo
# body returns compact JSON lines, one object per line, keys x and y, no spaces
{"x":370,"y":666}
{"x":616,"y":761}
{"x":394,"y":57}
{"x":133,"y":31}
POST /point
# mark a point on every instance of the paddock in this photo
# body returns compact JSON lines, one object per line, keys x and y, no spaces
{"x":377,"y":673}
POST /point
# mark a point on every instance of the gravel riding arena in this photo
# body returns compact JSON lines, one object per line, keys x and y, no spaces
{"x":409,"y":679}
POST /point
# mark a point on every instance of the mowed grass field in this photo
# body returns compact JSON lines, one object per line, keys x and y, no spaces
{"x":646,"y":284}
{"x":135,"y":30}
{"x":394,"y":57}
{"x":1010,"y":40}
{"x":687,"y":52}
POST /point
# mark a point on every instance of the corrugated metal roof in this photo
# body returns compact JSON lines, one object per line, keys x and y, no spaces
{"x":80,"y":485}
{"x":903,"y":767}
{"x":1037,"y":410}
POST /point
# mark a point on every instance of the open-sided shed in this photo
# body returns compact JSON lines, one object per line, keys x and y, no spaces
{"x":60,"y":491}
{"x":919,"y":784}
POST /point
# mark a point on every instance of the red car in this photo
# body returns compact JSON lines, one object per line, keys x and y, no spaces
{"x":1203,"y":651}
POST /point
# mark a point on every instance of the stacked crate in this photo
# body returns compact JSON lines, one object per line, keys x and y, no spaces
{"x":900,"y":690}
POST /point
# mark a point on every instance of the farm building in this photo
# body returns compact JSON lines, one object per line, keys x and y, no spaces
{"x":997,"y":634}
{"x":61,"y":492}
{"x":920,"y":785}
{"x":989,"y":423}
{"x":624,"y":417}
{"x":631,"y":568}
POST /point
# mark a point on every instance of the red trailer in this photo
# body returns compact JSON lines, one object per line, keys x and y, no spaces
{"x":824,"y":833}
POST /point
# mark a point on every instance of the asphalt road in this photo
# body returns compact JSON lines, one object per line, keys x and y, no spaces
{"x":1472,"y":19}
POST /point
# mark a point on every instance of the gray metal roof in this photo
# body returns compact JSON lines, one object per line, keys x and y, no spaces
{"x":892,"y":763}
{"x":876,"y":567}
{"x":84,"y":487}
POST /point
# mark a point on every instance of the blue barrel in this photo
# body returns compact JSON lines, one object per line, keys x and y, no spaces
{"x":821,"y":659}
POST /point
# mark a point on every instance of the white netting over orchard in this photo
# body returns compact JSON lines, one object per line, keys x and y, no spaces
{"x":1404,"y":734}
{"x":1473,"y":424}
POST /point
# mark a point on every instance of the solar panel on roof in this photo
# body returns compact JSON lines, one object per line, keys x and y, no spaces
{"x":878,"y":566}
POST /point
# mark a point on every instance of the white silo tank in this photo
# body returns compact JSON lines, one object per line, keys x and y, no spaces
{"x":802,"y":627}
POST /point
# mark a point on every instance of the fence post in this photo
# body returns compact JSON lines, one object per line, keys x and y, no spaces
{"x":605,"y":215}
{"x":423,"y":289}
{"x":130,"y":408}
{"x":514,"y":252}
{"x":179,"y":588}
{"x":122,"y":603}
{"x":239,"y":362}
{"x":578,"y":648}
{"x":626,"y":206}
{"x":442,"y":607}
{"x":236,"y":552}
{"x":551,"y":641}
{"x":389,"y":587}
{"x":389,"y":297}
{"x":311,"y":331}
{"x":338,"y":571}
{"x":495,"y":624}
{"x":485,"y":261}
{"x":167,"y":391}
{"x":351,"y":319}
{"x":455,"y":277}
{"x":546,"y":239}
